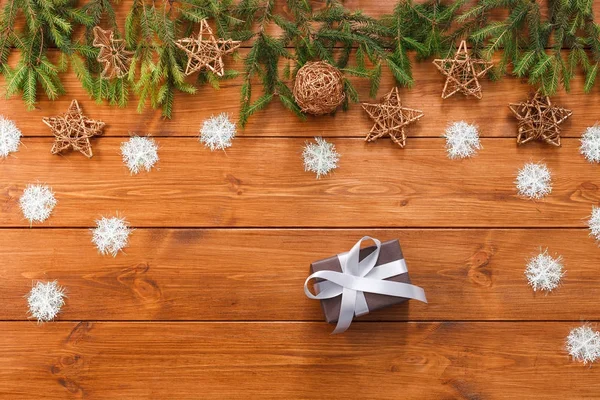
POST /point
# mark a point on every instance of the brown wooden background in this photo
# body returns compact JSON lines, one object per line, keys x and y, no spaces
{"x":208,"y":302}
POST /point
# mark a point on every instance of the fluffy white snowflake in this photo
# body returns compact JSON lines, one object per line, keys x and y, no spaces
{"x":462,"y":140}
{"x":534,"y":181}
{"x":37,"y":203}
{"x":110,"y":235}
{"x":217,"y":132}
{"x":320,"y":157}
{"x":590,"y":144}
{"x":45,"y":300}
{"x":594,"y":223}
{"x":544,"y":272}
{"x":10,"y":137}
{"x":139,"y":153}
{"x":583,"y":344}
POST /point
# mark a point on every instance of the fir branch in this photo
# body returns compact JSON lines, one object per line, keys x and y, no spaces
{"x":536,"y":45}
{"x":48,"y":24}
{"x":332,"y":33}
{"x":85,"y":64}
{"x":151,"y":30}
{"x":262,"y":60}
{"x":546,"y":49}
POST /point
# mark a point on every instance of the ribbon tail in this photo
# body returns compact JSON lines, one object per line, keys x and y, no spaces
{"x":346,"y":311}
{"x":361,"y":307}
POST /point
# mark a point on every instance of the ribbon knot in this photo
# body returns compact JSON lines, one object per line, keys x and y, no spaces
{"x":358,"y":277}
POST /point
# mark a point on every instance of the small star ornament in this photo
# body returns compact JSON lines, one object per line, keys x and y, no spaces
{"x":206,"y":51}
{"x":113,"y":56}
{"x":73,"y":130}
{"x":390,"y":118}
{"x":462,"y":73}
{"x":539,"y":119}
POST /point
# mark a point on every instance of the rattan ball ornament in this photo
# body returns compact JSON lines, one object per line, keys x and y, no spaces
{"x":319,"y":88}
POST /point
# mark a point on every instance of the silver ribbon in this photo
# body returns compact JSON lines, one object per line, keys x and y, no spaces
{"x":358,"y":277}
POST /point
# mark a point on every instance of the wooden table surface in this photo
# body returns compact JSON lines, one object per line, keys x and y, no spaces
{"x":207,"y":302}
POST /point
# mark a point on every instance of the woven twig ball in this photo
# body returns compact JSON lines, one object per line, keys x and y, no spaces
{"x":319,"y":88}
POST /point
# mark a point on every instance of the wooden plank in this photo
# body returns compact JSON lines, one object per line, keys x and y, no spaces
{"x":238,"y":275}
{"x":262,"y":183}
{"x":291,"y":361}
{"x":491,"y":113}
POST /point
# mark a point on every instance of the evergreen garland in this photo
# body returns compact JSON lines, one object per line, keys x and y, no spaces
{"x":157,"y":67}
{"x":47,"y":24}
{"x":312,"y":35}
{"x":548,"y":49}
{"x":84,"y":62}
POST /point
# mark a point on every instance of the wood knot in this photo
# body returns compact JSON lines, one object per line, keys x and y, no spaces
{"x":234,"y":184}
{"x":79,"y":333}
{"x":589,"y":186}
{"x":67,"y":369}
{"x":11,"y":192}
{"x":72,"y":386}
{"x":136,"y":279}
{"x":9,"y":197}
{"x":67,"y":364}
{"x":587,"y":191}
{"x":412,"y":359}
{"x":480,"y":259}
{"x":463,"y":390}
{"x":479,"y":273}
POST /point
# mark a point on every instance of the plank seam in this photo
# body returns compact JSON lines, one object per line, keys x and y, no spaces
{"x":306,"y":228}
{"x":426,"y":321}
{"x":252,"y":136}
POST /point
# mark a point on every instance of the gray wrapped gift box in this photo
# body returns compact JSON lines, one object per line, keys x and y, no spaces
{"x":390,"y":251}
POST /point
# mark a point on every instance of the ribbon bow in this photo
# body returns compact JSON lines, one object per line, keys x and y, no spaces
{"x":358,"y":277}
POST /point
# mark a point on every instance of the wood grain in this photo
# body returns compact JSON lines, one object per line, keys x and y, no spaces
{"x":261,"y":183}
{"x":491,"y":113}
{"x":245,"y":275}
{"x":218,"y":311}
{"x":290,"y":360}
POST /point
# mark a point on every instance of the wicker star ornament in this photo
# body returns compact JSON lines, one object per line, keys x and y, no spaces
{"x":205,"y":51}
{"x":462,"y":73}
{"x":112,"y":55}
{"x":539,"y":119}
{"x":73,"y":130}
{"x":390,"y":118}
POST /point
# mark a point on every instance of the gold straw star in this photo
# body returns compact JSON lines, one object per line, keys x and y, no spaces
{"x":539,"y":119}
{"x":390,"y":118}
{"x":462,"y":73}
{"x":205,"y":51}
{"x":74,"y":130}
{"x":112,"y":54}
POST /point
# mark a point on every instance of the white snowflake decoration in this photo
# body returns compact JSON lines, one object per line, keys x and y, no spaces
{"x":594,"y":223}
{"x":320,"y":157}
{"x":583,"y":344}
{"x":544,"y":272}
{"x":139,"y":153}
{"x":590,"y":144}
{"x":462,"y":140}
{"x":111,"y":235}
{"x":217,"y":132}
{"x":534,"y":181}
{"x":10,"y":137}
{"x":37,"y":203}
{"x":45,"y":300}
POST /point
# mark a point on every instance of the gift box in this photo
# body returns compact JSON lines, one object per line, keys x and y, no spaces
{"x":377,"y":276}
